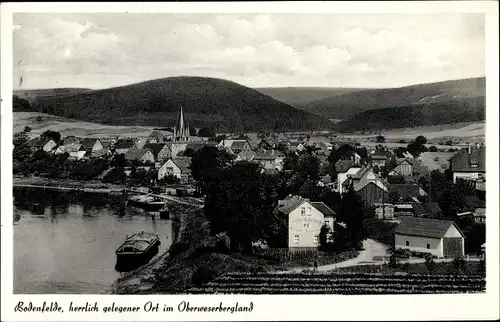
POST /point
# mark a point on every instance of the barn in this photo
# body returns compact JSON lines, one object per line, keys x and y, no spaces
{"x":441,"y":238}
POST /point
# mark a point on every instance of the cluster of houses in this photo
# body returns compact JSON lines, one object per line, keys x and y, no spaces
{"x":420,"y":224}
{"x":404,"y":202}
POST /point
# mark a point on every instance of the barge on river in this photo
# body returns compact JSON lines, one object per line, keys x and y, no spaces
{"x":136,"y":250}
{"x":146,"y":202}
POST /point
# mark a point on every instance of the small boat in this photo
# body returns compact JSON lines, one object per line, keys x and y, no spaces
{"x":136,"y":251}
{"x":146,"y":202}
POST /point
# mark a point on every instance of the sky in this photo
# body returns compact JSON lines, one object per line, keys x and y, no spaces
{"x":104,"y":50}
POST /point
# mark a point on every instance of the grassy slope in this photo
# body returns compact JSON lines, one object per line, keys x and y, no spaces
{"x":68,"y":126}
{"x":207,"y":102}
{"x":347,"y":105}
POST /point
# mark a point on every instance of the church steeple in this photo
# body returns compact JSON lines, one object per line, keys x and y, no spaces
{"x":181,"y":132}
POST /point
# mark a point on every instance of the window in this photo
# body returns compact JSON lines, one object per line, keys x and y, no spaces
{"x":428,"y":246}
{"x":296,"y":239}
{"x":407,"y":243}
{"x":316,"y":239}
{"x":303,"y":211}
{"x":308,"y":211}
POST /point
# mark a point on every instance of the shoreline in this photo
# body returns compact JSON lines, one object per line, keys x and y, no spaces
{"x":67,"y":185}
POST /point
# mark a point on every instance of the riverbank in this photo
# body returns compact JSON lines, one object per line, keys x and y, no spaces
{"x":66,"y":184}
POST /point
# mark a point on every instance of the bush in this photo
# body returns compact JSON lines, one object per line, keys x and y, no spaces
{"x":459,"y":263}
{"x":430,"y":263}
{"x":202,"y":275}
{"x":394,"y":261}
{"x":177,"y":248}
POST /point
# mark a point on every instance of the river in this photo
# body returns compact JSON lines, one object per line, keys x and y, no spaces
{"x":66,"y":243}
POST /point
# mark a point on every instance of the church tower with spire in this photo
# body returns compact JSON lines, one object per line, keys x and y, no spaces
{"x":181,"y":131}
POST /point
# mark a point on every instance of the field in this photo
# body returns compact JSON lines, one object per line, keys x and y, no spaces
{"x":71,"y":127}
{"x":465,"y":132}
{"x":341,"y":283}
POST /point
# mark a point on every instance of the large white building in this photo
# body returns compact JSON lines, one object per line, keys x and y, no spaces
{"x":304,"y":220}
{"x":441,"y":238}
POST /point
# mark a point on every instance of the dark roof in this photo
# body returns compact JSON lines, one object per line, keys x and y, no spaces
{"x":324,"y":209}
{"x":291,"y":202}
{"x":124,"y":144}
{"x":266,"y":156}
{"x":431,"y":208}
{"x":378,"y":157}
{"x":343,"y":165}
{"x":195,"y":146}
{"x":405,"y":191}
{"x":184,"y":163}
{"x":88,"y":143}
{"x":462,"y":161}
{"x":238,"y":145}
{"x":135,"y":154}
{"x":155,"y":147}
{"x":424,"y":227}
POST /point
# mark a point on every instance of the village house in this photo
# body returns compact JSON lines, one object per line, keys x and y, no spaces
{"x":303,"y":220}
{"x":235,"y":146}
{"x":91,"y":145}
{"x":469,"y":164}
{"x":344,"y":168}
{"x":384,"y":211}
{"x":100,"y":154}
{"x":71,"y":140}
{"x":245,"y":156}
{"x":140,"y":155}
{"x":177,"y":148}
{"x":177,"y":167}
{"x":161,"y":151}
{"x":440,"y":238}
{"x":270,"y":160}
{"x":75,"y":151}
{"x":369,"y":186}
{"x":409,"y":167}
{"x":378,"y":160}
{"x":41,"y":143}
{"x":326,"y":181}
{"x":479,"y":208}
{"x":123,"y":145}
{"x":267,"y":144}
{"x":436,"y":160}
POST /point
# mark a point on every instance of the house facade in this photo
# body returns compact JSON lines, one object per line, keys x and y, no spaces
{"x":92,"y":145}
{"x":176,"y":167}
{"x":161,"y":151}
{"x":140,"y":155}
{"x":469,"y":164}
{"x":344,"y":169}
{"x":304,"y":220}
{"x":440,"y":238}
{"x":404,"y":168}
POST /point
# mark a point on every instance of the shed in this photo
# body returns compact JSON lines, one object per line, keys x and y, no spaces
{"x":441,"y":238}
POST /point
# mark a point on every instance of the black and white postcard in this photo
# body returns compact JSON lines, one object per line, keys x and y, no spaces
{"x":250,"y":161}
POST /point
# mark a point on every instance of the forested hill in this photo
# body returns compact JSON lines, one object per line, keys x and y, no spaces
{"x":347,"y":105}
{"x":216,"y":103}
{"x":453,"y":111}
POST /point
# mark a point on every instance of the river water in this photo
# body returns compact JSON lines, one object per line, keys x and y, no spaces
{"x":65,"y":242}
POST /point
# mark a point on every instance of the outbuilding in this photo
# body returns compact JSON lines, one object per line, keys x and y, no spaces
{"x":441,"y":238}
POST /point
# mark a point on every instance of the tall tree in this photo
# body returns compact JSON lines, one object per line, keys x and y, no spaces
{"x":352,"y":214}
{"x":54,"y":135}
{"x":240,"y":201}
{"x":417,"y":146}
{"x":207,"y":162}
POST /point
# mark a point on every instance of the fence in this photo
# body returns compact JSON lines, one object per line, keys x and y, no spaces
{"x":289,"y":254}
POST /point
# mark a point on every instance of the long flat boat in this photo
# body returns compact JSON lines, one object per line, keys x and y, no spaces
{"x":136,"y":250}
{"x":146,"y":202}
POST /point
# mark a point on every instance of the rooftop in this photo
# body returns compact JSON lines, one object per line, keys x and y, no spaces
{"x":424,"y":227}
